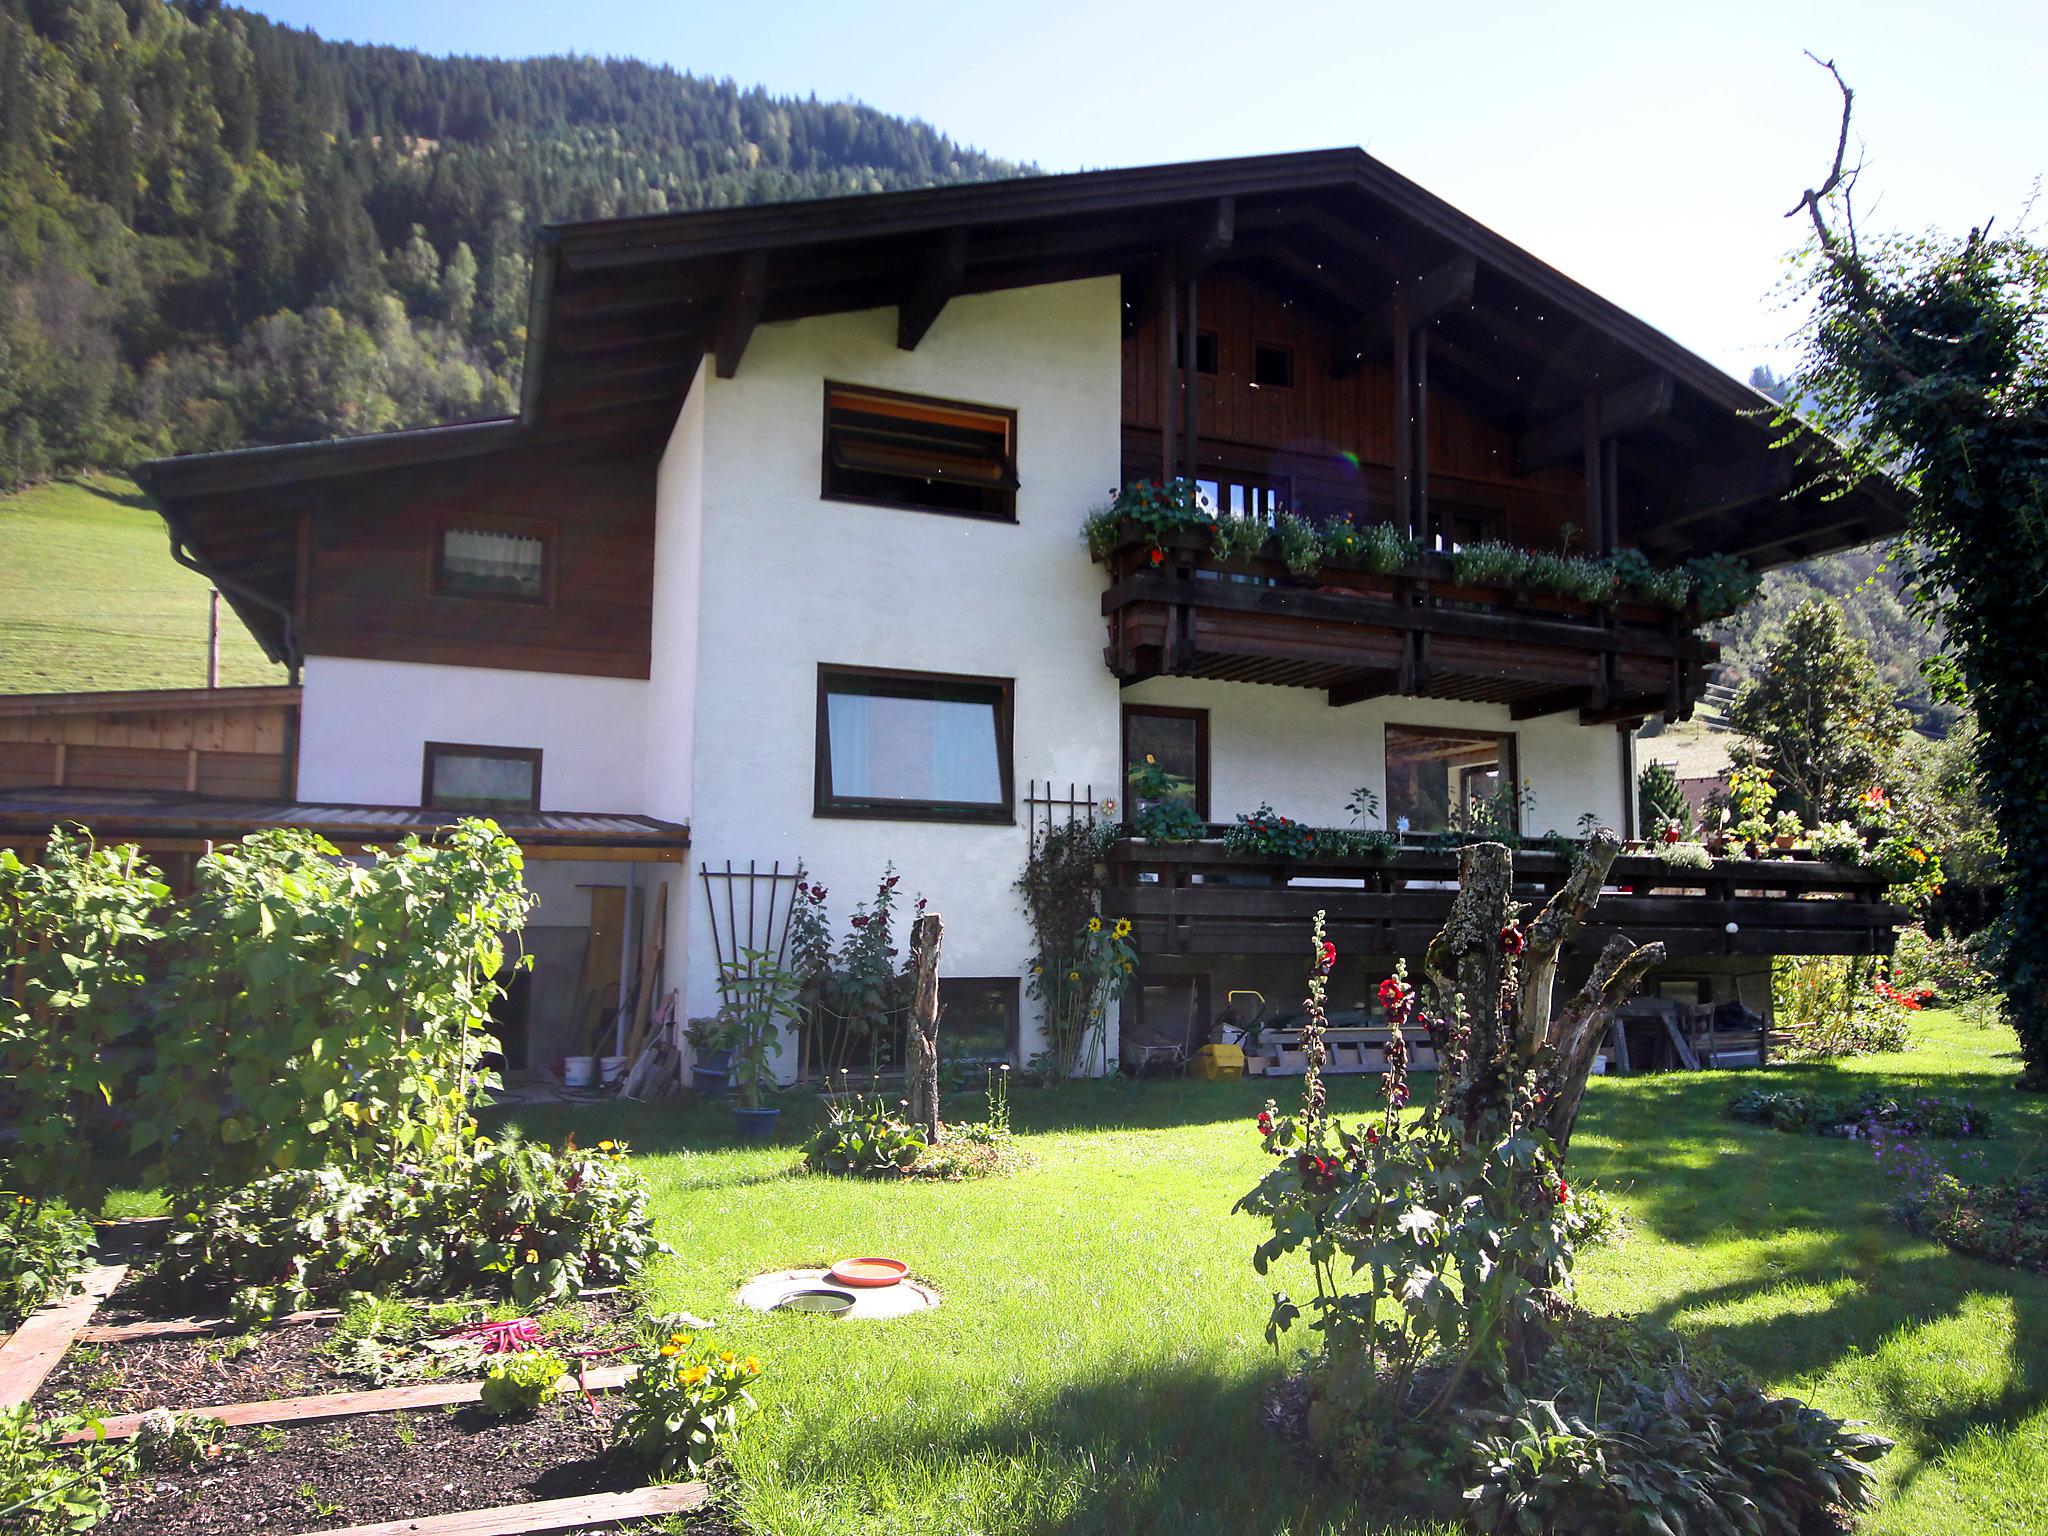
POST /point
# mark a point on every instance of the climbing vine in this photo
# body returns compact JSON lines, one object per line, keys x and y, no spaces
{"x":1928,"y":356}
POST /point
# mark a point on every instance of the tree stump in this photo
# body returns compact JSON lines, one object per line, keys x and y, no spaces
{"x":926,"y":935}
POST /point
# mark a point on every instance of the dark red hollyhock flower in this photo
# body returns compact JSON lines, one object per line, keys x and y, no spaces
{"x":1328,"y":961}
{"x":1564,"y":1192}
{"x":1394,"y":993}
{"x":1513,"y":940}
{"x":1372,"y":1134}
{"x":817,"y":893}
{"x":1265,"y":1123}
{"x":859,"y":921}
{"x":890,"y":883}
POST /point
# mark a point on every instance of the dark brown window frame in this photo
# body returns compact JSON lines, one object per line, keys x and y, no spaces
{"x":1013,"y":999}
{"x":1170,"y":712}
{"x":1462,"y":733}
{"x":1287,"y":350}
{"x":883,"y":808}
{"x":517,"y":527}
{"x":896,"y":503}
{"x":434,"y":749}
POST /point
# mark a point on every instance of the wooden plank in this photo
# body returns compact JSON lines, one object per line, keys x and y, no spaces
{"x":340,"y":1405}
{"x":587,"y":1512}
{"x":32,"y":1351}
{"x":203,"y":1327}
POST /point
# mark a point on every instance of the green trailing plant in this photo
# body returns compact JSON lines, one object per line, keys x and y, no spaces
{"x":78,"y":932}
{"x":1079,"y":965}
{"x":1301,"y":544}
{"x":1388,"y":549}
{"x":1573,"y":576}
{"x":1238,"y":538}
{"x":44,"y":1248}
{"x":1683,"y":855}
{"x":1635,"y":576}
{"x":1158,"y":508}
{"x":1162,"y":804}
{"x":685,"y":1399}
{"x":1838,"y":842}
{"x":1722,"y":585}
{"x":518,"y":1383}
{"x":47,"y":1488}
{"x":1490,"y":564}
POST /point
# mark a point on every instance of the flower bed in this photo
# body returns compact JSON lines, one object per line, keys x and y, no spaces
{"x":1795,"y":1110}
{"x":2004,"y":1221}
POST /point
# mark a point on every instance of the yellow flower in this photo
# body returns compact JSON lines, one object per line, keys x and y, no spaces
{"x":679,"y":1338}
{"x":753,"y":1366}
{"x":1073,"y":975}
{"x":1150,"y":758}
{"x":695,"y":1374}
{"x":667,"y":1350}
{"x":532,"y":1257}
{"x":1123,"y":927}
{"x":1095,"y":925}
{"x":728,"y":1356}
{"x":606,"y":1146}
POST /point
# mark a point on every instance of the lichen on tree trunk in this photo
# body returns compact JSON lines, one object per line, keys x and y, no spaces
{"x":926,"y":934}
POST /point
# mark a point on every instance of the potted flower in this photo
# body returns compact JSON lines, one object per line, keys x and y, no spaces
{"x":1787,"y":830}
{"x":761,"y":996}
{"x":711,"y":1046}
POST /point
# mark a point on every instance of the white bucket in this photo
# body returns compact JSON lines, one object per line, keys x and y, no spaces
{"x":577,"y":1071}
{"x":613,"y":1068}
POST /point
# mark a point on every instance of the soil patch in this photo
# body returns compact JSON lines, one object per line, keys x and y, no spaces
{"x":387,"y":1466}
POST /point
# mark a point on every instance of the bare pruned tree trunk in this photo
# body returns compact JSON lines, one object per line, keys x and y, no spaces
{"x":1507,"y":975}
{"x":926,"y":935}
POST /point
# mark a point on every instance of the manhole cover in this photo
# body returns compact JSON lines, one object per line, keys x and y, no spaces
{"x":795,"y":1287}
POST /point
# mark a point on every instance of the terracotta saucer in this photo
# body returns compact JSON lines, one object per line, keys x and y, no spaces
{"x":868,"y":1273}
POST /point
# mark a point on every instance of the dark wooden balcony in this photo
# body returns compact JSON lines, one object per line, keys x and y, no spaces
{"x":1200,"y":899}
{"x":1414,"y":632}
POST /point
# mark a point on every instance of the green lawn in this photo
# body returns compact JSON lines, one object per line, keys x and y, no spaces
{"x":91,"y":599}
{"x":1098,"y":1364}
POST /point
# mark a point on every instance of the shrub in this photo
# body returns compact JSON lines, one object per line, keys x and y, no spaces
{"x":512,"y":1217}
{"x":1592,"y":1219}
{"x":44,"y":1245}
{"x":1788,"y":1109}
{"x":46,"y":1488}
{"x":1942,"y":964}
{"x":1301,"y":545}
{"x":860,"y":1136}
{"x":2002,"y":1220}
{"x":519,"y":1383}
{"x":686,"y":1397}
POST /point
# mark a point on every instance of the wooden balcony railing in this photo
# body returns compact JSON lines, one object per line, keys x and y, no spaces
{"x":1415,"y":632}
{"x":1198,"y":898}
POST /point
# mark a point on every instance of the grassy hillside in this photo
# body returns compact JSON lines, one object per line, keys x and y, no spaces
{"x":91,"y":599}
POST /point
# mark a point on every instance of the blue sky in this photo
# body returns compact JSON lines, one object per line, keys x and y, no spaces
{"x":1647,"y":149}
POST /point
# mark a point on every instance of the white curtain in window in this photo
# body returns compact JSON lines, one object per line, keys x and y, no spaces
{"x":496,"y":562}
{"x":846,"y":724}
{"x":964,"y":766}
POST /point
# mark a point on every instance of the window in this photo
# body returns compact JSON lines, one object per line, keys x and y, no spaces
{"x":978,"y":1017}
{"x":482,"y":779}
{"x":497,"y":560}
{"x":1166,"y":1018}
{"x":1177,"y":740}
{"x":907,"y":451}
{"x":1205,"y":351}
{"x":1236,"y":494}
{"x":1273,"y":366}
{"x":1439,"y":780}
{"x":913,"y":746}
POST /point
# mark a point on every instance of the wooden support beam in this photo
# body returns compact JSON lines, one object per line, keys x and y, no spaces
{"x":1404,"y":421}
{"x":740,"y":313}
{"x":1425,"y":298}
{"x":1636,"y":706}
{"x":1551,"y":703}
{"x":1723,"y":488}
{"x":1596,"y":492}
{"x":1618,"y":411}
{"x":1370,"y":685}
{"x":939,"y":280}
{"x":1180,"y":261}
{"x":1169,"y":389}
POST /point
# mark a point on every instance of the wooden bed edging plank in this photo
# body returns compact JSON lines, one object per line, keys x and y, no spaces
{"x":31,"y":1352}
{"x":203,"y":1327}
{"x":338,"y":1405}
{"x":589,"y":1512}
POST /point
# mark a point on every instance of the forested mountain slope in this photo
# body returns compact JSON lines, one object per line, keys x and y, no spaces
{"x":216,"y":231}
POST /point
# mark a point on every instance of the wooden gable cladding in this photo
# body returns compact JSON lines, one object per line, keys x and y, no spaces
{"x":226,"y":741}
{"x":1332,"y":438}
{"x":367,"y":585}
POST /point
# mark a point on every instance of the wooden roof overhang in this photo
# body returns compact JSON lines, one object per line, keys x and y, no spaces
{"x":624,"y":311}
{"x":174,"y":823}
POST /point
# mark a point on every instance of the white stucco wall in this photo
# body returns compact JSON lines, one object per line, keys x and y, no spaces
{"x":789,"y":580}
{"x":364,"y":726}
{"x":1289,"y":748}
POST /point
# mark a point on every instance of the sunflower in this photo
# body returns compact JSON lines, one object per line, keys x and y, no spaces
{"x":1095,"y":925}
{"x":1123,"y":928}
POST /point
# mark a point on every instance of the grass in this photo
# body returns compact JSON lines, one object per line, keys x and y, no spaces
{"x":1098,"y":1365}
{"x":91,"y":599}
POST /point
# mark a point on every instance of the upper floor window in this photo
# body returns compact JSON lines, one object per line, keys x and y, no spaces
{"x":492,"y":560}
{"x":1167,"y":749}
{"x":1205,"y":351}
{"x":1273,"y":366}
{"x":1439,"y":779}
{"x":913,"y":746}
{"x":911,"y":451}
{"x":482,"y":780}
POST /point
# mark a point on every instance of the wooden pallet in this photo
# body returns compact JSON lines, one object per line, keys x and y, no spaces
{"x":588,"y":1512}
{"x":31,"y":1352}
{"x":336,"y":1405}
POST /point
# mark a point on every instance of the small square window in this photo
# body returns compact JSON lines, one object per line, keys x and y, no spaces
{"x":1205,"y":351}
{"x":1273,"y":367}
{"x":909,"y":451}
{"x":474,"y":560}
{"x":978,"y":1021}
{"x":481,"y":780}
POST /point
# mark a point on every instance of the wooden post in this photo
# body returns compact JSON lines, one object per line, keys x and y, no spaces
{"x":1420,"y":418}
{"x":925,"y":937}
{"x":1404,"y":423}
{"x":213,"y":638}
{"x":1192,"y":373}
{"x":1595,"y":461}
{"x":1169,"y":320}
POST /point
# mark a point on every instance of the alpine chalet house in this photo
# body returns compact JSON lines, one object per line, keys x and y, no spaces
{"x":782,"y":561}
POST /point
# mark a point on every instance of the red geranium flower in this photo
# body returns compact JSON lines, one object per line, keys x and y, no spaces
{"x":1564,"y":1193}
{"x":1159,"y":557}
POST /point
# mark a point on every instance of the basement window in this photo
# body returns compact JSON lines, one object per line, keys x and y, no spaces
{"x":475,"y":560}
{"x":979,"y":1017}
{"x":913,"y":746}
{"x":896,"y":450}
{"x":1273,"y":367}
{"x":481,"y":780}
